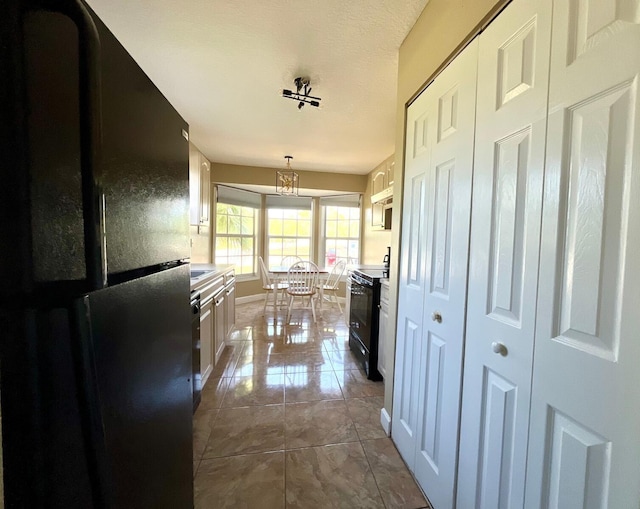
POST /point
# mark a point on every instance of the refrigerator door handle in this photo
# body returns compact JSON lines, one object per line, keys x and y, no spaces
{"x":90,"y":409}
{"x":90,"y":105}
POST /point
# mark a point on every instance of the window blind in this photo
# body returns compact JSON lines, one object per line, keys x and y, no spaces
{"x":342,"y":200}
{"x":233,"y":196}
{"x":288,"y":202}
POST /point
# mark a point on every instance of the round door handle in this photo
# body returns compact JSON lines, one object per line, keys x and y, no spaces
{"x":436,"y":316}
{"x":499,"y":348}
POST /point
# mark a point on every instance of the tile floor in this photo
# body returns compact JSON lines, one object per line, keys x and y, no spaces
{"x":288,"y":419}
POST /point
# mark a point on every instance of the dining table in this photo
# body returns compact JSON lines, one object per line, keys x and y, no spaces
{"x":280,"y":275}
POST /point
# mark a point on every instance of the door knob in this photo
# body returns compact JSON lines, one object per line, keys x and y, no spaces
{"x":436,"y":316}
{"x":499,"y":348}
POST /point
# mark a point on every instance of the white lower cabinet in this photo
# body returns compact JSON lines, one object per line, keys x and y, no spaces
{"x":206,"y":338}
{"x":220,"y":334}
{"x":533,"y":400}
{"x":230,"y":289}
{"x":217,"y":317}
{"x":208,"y":325}
{"x":383,"y":329}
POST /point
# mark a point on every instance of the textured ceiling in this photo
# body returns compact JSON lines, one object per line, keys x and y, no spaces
{"x":223,"y":64}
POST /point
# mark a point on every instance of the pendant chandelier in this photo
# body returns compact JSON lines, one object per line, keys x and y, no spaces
{"x":287,"y":180}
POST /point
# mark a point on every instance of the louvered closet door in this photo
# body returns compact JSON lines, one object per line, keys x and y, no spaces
{"x":503,"y":273}
{"x":584,"y":447}
{"x":430,"y":347}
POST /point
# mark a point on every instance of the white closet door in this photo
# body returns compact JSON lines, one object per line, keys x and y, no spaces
{"x":412,"y":279}
{"x":435,"y":245}
{"x":513,"y":71}
{"x":584,"y":447}
{"x":453,"y":96}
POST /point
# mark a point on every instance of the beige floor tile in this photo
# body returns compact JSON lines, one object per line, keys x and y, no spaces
{"x":242,"y":334}
{"x":259,"y":348}
{"x":212,"y":394}
{"x":354,"y":384}
{"x":202,"y":424}
{"x":312,"y":344}
{"x":331,"y":341}
{"x":365,"y":413}
{"x":397,"y":486}
{"x":318,"y":423}
{"x":246,"y":430}
{"x":254,"y":390}
{"x":254,"y":363}
{"x":307,"y":361}
{"x":227,"y":362}
{"x":330,"y":476}
{"x":343,"y":360}
{"x":241,"y":482}
{"x":311,"y":386}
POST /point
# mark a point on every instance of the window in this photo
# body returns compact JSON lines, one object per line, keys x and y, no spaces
{"x":236,"y":229}
{"x":288,"y":228}
{"x":341,"y":229}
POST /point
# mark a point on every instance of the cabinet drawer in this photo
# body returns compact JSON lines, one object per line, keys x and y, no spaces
{"x":211,"y":288}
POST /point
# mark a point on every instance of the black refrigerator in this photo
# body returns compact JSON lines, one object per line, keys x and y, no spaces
{"x":95,"y":352}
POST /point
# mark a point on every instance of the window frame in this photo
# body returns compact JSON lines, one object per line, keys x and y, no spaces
{"x":255,"y":236}
{"x":323,"y":237}
{"x":268,"y":236}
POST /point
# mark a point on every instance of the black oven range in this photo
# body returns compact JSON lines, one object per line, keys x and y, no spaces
{"x":364,"y":319}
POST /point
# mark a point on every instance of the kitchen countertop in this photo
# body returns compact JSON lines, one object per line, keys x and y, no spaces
{"x":213,"y":271}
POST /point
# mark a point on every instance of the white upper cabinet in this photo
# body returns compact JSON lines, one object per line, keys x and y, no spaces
{"x":199,"y":188}
{"x":382,"y":194}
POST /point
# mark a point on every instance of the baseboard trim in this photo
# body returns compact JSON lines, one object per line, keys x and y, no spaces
{"x":385,"y":420}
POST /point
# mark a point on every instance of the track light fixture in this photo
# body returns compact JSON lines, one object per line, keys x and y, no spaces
{"x":302,"y":93}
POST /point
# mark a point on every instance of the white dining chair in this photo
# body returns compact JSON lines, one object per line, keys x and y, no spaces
{"x":330,"y":286}
{"x":288,"y":261}
{"x":270,"y":286}
{"x":302,"y":282}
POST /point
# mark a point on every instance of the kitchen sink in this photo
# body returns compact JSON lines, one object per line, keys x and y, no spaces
{"x":198,"y":273}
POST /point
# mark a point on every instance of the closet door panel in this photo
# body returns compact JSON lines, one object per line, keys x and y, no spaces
{"x":584,"y":444}
{"x":413,"y":282}
{"x":513,"y":69}
{"x":447,"y":252}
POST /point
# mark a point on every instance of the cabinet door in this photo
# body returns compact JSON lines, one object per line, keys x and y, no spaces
{"x":205,"y":191}
{"x":378,"y":182}
{"x":377,"y":216}
{"x":584,"y":449}
{"x":505,"y":237}
{"x":221,"y":328}
{"x":433,"y":279}
{"x":383,"y":332}
{"x":194,"y":185}
{"x":206,"y":340}
{"x":231,"y":308}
